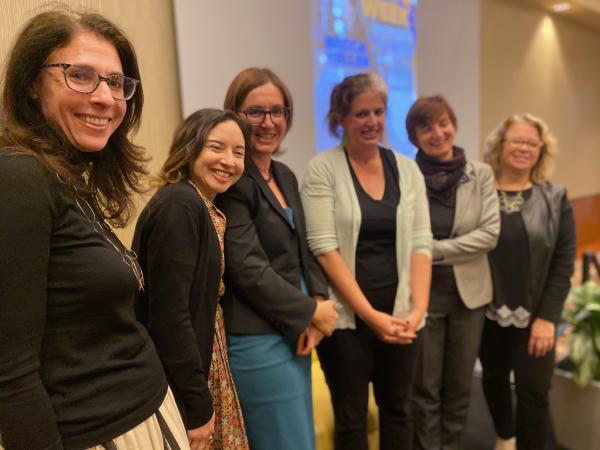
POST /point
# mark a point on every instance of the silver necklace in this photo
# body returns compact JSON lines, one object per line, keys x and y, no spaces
{"x":510,"y":204}
{"x":129,"y":257}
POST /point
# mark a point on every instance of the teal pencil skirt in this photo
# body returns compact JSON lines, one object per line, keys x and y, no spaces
{"x":274,"y":387}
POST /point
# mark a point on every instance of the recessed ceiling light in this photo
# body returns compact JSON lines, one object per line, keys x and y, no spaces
{"x":560,"y":7}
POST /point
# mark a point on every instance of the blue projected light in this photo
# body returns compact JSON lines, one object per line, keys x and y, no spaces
{"x":354,"y":36}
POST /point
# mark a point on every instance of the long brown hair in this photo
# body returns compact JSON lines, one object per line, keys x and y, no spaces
{"x":189,"y":140}
{"x":111,"y":174}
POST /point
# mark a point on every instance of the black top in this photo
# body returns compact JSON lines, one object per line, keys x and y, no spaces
{"x":510,"y":265}
{"x":76,"y":368}
{"x":376,"y":270}
{"x":442,"y":221}
{"x":266,"y":257}
{"x":178,"y":249}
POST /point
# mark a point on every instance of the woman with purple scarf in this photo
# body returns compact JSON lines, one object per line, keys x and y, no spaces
{"x":465,"y":224}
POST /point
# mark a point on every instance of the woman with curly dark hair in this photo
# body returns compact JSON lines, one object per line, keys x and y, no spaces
{"x":179,"y":238}
{"x":76,"y":368}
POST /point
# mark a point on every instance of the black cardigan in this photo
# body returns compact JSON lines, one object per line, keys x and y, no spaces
{"x":265,"y":257}
{"x":179,"y":252}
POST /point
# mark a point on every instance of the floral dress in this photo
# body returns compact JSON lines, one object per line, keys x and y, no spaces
{"x":230,"y":431}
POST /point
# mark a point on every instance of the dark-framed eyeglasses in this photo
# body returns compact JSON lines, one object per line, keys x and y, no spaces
{"x":86,"y":80}
{"x":257,"y":115}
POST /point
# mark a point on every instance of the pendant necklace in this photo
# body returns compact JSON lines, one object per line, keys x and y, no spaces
{"x":129,"y":257}
{"x":511,"y":203}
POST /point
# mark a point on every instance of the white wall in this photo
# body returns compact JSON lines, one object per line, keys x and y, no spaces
{"x":549,"y":66}
{"x":216,"y":39}
{"x":448,"y":62}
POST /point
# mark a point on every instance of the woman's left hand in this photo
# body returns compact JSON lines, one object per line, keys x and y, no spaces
{"x":308,"y":340}
{"x":408,"y":333}
{"x":541,"y":339}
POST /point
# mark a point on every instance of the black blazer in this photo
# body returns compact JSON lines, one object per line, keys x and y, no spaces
{"x":178,"y":250}
{"x":265,"y":257}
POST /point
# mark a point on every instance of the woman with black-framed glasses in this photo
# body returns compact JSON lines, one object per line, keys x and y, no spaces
{"x":77,"y":370}
{"x":275,"y":303}
{"x":86,"y":80}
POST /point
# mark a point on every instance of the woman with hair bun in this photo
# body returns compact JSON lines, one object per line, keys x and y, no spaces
{"x":368,"y":224}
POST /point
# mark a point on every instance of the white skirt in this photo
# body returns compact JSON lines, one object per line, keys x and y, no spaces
{"x":148,"y":435}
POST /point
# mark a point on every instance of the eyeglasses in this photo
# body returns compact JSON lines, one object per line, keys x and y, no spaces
{"x":521,"y":143}
{"x":257,"y":115}
{"x":86,"y":80}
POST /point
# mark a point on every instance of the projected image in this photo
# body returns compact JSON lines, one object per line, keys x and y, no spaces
{"x":353,"y":36}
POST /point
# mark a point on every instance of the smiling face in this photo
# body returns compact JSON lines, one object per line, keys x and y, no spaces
{"x":86,"y":120}
{"x":521,"y":147}
{"x":220,"y":163}
{"x":267,"y":135}
{"x":436,"y":139}
{"x":364,"y":124}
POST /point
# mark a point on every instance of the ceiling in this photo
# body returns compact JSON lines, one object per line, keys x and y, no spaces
{"x":586,"y":12}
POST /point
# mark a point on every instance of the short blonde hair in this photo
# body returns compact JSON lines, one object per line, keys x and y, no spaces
{"x":540,"y":173}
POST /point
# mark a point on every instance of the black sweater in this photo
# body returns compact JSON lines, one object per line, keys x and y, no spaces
{"x":179,"y":252}
{"x":76,"y":368}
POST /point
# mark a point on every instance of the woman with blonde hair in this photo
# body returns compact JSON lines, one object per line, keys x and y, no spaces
{"x":531,"y":269}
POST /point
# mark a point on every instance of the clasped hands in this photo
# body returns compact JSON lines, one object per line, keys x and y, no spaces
{"x":394,"y":330}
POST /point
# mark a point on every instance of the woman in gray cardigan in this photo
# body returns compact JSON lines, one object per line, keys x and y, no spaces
{"x":368,"y":224}
{"x":465,"y":223}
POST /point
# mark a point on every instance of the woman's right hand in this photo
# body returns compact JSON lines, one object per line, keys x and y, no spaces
{"x":200,"y":437}
{"x":325,"y":316}
{"x":389,"y":329}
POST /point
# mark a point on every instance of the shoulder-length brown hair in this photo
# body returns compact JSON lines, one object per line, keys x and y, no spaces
{"x":189,"y":140}
{"x":111,"y":174}
{"x":251,"y":78}
{"x":542,"y":169}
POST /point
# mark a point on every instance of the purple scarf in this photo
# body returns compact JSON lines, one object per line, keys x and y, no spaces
{"x":442,"y":177}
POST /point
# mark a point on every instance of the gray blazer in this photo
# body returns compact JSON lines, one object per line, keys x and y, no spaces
{"x":474,"y":234}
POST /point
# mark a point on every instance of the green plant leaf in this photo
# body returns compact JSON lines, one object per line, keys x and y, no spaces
{"x":578,"y":346}
{"x":596,"y":335}
{"x":586,"y":370}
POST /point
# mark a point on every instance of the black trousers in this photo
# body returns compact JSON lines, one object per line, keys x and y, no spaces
{"x":442,"y":394}
{"x":504,"y":349}
{"x":351,"y":359}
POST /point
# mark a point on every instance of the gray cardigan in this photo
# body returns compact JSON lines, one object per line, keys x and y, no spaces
{"x":474,"y":234}
{"x":333,"y":219}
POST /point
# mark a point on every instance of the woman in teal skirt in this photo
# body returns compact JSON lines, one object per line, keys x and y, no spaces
{"x":275,"y":304}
